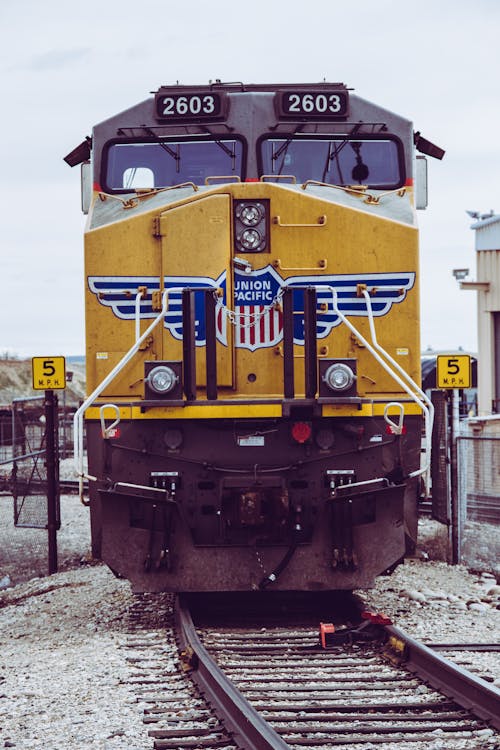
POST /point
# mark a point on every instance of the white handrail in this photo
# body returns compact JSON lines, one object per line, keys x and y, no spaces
{"x":428,"y":410}
{"x":78,"y":416}
{"x":395,"y":364}
{"x":377,"y":351}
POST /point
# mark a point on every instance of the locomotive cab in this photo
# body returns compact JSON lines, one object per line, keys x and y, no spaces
{"x":254,"y":414}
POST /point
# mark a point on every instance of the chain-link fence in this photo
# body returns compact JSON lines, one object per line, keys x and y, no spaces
{"x":478,"y":459}
{"x":23,"y":463}
{"x":22,"y":426}
{"x":23,"y":480}
{"x":5,"y":433}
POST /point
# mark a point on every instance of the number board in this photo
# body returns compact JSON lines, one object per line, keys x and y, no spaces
{"x":49,"y":373}
{"x":453,"y":371}
{"x":206,"y":105}
{"x":313,"y":104}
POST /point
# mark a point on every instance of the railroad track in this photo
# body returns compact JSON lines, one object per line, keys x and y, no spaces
{"x":262,"y":686}
{"x":479,"y":659}
{"x":353,"y":696}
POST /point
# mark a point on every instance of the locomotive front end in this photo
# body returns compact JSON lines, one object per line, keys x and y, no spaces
{"x":254,"y":416}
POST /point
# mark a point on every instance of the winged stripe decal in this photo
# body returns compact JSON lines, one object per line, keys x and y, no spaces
{"x":386,"y":289}
{"x":119,"y":293}
{"x":257,"y":318}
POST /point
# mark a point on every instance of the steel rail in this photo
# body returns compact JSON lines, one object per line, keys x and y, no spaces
{"x":475,"y":647}
{"x":471,"y":692}
{"x":247,"y":728}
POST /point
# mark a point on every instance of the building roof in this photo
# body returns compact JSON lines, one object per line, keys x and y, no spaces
{"x":487,"y":232}
{"x":486,"y":221}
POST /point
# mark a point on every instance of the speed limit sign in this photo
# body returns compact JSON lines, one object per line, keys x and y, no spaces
{"x":49,"y":373}
{"x":453,"y":371}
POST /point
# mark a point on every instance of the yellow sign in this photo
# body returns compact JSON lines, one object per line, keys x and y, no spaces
{"x":453,"y":371}
{"x":49,"y":373}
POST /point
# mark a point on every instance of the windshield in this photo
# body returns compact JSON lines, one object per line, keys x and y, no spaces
{"x":337,"y":160}
{"x":166,"y":163}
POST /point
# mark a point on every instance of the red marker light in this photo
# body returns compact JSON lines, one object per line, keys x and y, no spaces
{"x":114,"y":432}
{"x":391,"y":430}
{"x":301,"y":432}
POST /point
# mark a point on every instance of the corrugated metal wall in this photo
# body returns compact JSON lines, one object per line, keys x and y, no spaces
{"x":488,"y":269}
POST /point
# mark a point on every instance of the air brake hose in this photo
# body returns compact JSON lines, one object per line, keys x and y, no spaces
{"x":272,"y":577}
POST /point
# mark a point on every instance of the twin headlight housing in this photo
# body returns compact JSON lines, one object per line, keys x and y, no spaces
{"x":251,"y":226}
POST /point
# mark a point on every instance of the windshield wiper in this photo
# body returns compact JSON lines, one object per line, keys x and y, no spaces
{"x":174,"y":154}
{"x":230,"y":152}
{"x":283,"y":149}
{"x":334,"y":154}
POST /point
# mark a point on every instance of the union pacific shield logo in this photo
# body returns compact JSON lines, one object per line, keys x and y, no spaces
{"x":256,"y":314}
{"x":258,"y":322}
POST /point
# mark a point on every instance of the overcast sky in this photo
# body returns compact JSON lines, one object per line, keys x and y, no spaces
{"x":67,"y":66}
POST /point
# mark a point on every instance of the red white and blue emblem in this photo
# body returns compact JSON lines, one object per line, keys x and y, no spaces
{"x":256,"y":311}
{"x":258,"y":319}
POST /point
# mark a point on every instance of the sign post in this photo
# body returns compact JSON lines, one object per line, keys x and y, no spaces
{"x":49,"y":374}
{"x":453,"y":371}
{"x":52,"y":473}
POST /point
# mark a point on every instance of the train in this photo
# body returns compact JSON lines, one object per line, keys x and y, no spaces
{"x":254,"y":417}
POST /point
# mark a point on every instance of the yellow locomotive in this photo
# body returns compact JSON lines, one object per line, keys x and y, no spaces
{"x":254,"y":415}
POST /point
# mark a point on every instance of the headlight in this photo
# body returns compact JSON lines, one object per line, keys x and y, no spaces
{"x":250,"y":214}
{"x":162,"y":379}
{"x":250,"y":239}
{"x":339,"y":377}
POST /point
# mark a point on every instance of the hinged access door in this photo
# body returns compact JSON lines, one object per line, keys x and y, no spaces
{"x":196,"y":254}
